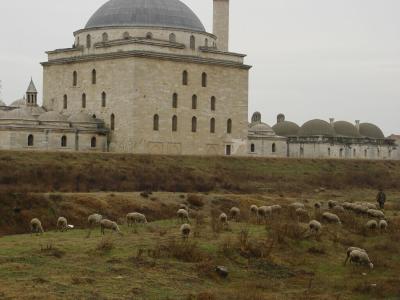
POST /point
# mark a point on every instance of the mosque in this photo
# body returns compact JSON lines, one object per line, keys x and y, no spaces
{"x":144,"y":76}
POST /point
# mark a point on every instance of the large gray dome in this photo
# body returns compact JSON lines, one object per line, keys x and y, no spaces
{"x":159,"y":13}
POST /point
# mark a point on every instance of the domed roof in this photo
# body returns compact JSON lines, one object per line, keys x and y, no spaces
{"x":371,"y":131}
{"x":316,"y":127}
{"x":19,"y":103}
{"x":53,"y":116}
{"x":286,"y":128}
{"x":159,"y":13}
{"x":261,"y":128}
{"x":81,"y":118}
{"x":19,"y":114}
{"x":2,"y":103}
{"x":346,"y":129}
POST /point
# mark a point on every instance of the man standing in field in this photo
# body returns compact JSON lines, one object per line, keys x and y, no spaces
{"x":381,"y":199}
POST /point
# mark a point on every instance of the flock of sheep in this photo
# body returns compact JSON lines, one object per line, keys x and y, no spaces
{"x":355,"y":255}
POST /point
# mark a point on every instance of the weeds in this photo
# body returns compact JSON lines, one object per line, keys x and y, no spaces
{"x":105,"y":245}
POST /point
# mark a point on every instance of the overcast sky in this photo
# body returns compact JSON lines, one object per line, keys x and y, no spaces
{"x":311,"y":58}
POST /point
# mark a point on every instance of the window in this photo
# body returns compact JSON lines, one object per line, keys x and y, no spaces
{"x":204,"y":79}
{"x":194,"y":102}
{"x":65,"y":102}
{"x":229,"y":126}
{"x":30,"y":140}
{"x":112,"y":122}
{"x":194,"y":124}
{"x":379,"y":152}
{"x":206,"y":43}
{"x":75,"y":78}
{"x":213,"y":103}
{"x":329,"y":151}
{"x":273,"y":148}
{"x":212,"y":125}
{"x":156,"y":121}
{"x":172,"y":38}
{"x":83,"y":100}
{"x":228,"y":150}
{"x":192,"y":42}
{"x":88,"y":41}
{"x":390,"y":153}
{"x":174,"y":123}
{"x":149,"y":35}
{"x":64,"y":141}
{"x":175,"y":100}
{"x":103,"y":99}
{"x":365,"y":153}
{"x":341,"y":153}
{"x":354,"y":152}
{"x":253,"y":148}
{"x":126,"y":36}
{"x":94,"y":76}
{"x":185,"y":78}
{"x":105,"y":37}
{"x":93,"y":142}
{"x":301,"y":151}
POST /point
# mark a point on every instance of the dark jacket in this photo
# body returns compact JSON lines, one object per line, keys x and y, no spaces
{"x":381,"y":197}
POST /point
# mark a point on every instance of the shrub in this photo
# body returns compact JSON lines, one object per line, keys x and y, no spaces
{"x":105,"y":245}
{"x":195,"y":201}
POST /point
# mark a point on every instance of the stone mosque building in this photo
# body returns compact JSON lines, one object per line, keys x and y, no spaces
{"x":144,"y":76}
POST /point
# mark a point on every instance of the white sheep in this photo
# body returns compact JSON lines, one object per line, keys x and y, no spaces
{"x":184,"y":206}
{"x":383,"y":225}
{"x":185,"y":231}
{"x":263,"y":212}
{"x":338,"y":209}
{"x":302,"y":213}
{"x":134,"y":218}
{"x":371,"y":225}
{"x":361,"y":258}
{"x":107,"y":224}
{"x":317,"y":205}
{"x":376,"y":213}
{"x":254,"y":210}
{"x":347,"y":205}
{"x":223,"y":219}
{"x":183,"y":215}
{"x":94,"y":219}
{"x":314,"y":226}
{"x":331,"y":218}
{"x":332,"y":204}
{"x":276,"y":209}
{"x":62,"y":224}
{"x":235,"y":213}
{"x":36,"y":226}
{"x":349,"y":250}
{"x":296,"y":205}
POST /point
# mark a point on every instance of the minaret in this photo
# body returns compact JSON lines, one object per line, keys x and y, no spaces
{"x":221,"y":24}
{"x":31,"y":95}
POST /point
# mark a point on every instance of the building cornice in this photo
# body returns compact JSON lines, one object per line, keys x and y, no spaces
{"x":142,"y":41}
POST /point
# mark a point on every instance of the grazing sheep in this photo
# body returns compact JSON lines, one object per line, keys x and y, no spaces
{"x":276,"y":208}
{"x":36,"y":226}
{"x":223,"y":219}
{"x":331,"y":218}
{"x":254,"y":210}
{"x":185,"y":231}
{"x":317,"y":205}
{"x":314,"y":226}
{"x":376,"y":213}
{"x":332,"y":204}
{"x":370,"y":205}
{"x":134,"y":218}
{"x":235,"y":213}
{"x":338,"y":209}
{"x":296,"y":205}
{"x":62,"y":224}
{"x":184,"y":206}
{"x":383,"y":225}
{"x":351,"y":249}
{"x":361,"y":258}
{"x":347,"y":205}
{"x":372,"y":225}
{"x":263,"y":212}
{"x":302,"y":214}
{"x":183,"y":215}
{"x":107,"y":224}
{"x":94,"y":219}
{"x":360,"y":209}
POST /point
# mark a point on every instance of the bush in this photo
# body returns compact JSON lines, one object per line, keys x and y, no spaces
{"x":105,"y":245}
{"x":195,"y":201}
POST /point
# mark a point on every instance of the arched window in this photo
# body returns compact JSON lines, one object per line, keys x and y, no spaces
{"x":83,"y":100}
{"x":105,"y":37}
{"x":112,"y":122}
{"x":175,"y":100}
{"x":126,"y":35}
{"x":149,"y":35}
{"x":93,"y":142}
{"x":212,"y":125}
{"x":204,"y":79}
{"x":390,"y":153}
{"x":65,"y":102}
{"x":194,"y":124}
{"x":156,"y":121}
{"x":192,"y":42}
{"x":194,"y":102}
{"x":172,"y":38}
{"x":301,"y":151}
{"x":253,"y":148}
{"x":103,"y":99}
{"x":94,"y":76}
{"x":365,"y":153}
{"x":229,"y":126}
{"x":185,"y":78}
{"x":379,"y":152}
{"x":273,"y":148}
{"x":329,"y":151}
{"x":64,"y":141}
{"x":206,"y":43}
{"x":354,"y":152}
{"x":75,"y":78}
{"x":88,"y":41}
{"x":341,"y":153}
{"x":213,"y":103}
{"x":174,"y":123}
{"x":30,"y":140}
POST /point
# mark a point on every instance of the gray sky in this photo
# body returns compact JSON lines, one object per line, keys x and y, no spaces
{"x":311,"y":58}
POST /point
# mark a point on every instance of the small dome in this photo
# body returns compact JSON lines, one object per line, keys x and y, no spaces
{"x":261,"y":129}
{"x":286,"y":128}
{"x":346,"y":129}
{"x":53,"y":116}
{"x":19,"y":114}
{"x":19,"y":103}
{"x":82,"y":118}
{"x":316,"y":127}
{"x":371,"y":131}
{"x":147,"y":13}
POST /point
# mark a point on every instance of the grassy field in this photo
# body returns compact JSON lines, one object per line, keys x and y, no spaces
{"x":277,"y":260}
